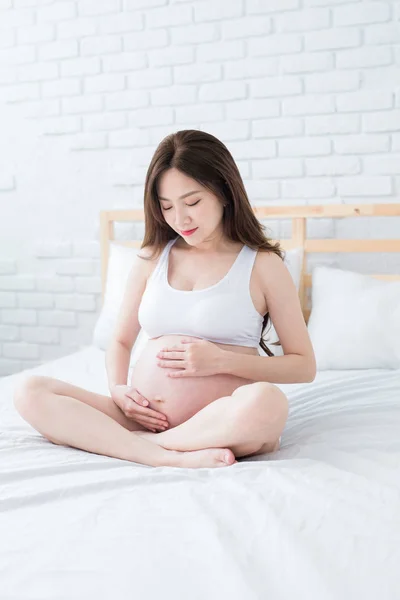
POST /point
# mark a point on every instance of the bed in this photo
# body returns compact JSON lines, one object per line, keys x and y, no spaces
{"x":319,"y":519}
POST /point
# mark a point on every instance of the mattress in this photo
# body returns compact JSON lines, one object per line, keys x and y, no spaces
{"x":319,"y":519}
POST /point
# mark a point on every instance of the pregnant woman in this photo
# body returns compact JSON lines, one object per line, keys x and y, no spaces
{"x":202,"y":287}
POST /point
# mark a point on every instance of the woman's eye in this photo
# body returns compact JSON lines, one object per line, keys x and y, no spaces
{"x":186,"y":205}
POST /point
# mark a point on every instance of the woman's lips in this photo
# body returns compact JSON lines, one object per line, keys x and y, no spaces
{"x":189,"y":232}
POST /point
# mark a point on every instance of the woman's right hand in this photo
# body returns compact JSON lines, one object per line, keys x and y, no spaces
{"x":133,"y":405}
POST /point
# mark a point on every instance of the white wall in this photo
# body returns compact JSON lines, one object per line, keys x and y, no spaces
{"x":305,"y":94}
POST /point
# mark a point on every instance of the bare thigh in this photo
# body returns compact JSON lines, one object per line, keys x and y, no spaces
{"x":103,"y":403}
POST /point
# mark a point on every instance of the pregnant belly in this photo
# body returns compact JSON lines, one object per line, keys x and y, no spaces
{"x":180,"y":398}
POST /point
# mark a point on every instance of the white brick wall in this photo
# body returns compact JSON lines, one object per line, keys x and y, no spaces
{"x":305,"y":94}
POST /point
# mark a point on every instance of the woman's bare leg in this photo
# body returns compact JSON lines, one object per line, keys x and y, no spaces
{"x":248,"y":422}
{"x":66,"y":420}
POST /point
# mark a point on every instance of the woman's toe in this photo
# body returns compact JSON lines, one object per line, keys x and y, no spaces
{"x":228,"y":457}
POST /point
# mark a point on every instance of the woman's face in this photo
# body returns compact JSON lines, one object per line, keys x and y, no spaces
{"x":187,"y":205}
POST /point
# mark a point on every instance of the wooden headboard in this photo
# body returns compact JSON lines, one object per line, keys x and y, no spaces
{"x":298,"y":216}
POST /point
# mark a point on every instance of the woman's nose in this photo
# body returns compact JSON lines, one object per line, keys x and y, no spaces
{"x":181,"y":217}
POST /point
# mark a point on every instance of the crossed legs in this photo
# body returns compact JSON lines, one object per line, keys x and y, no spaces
{"x":249,"y":421}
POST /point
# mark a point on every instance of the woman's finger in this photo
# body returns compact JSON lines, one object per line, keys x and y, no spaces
{"x":172,"y":355}
{"x":138,"y":398}
{"x":149,"y":412}
{"x":152,"y":421}
{"x":149,"y":427}
{"x":150,"y":424}
{"x":172,"y":364}
{"x":147,"y":418}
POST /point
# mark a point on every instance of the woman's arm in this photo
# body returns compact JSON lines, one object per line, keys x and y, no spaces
{"x":298,"y":364}
{"x":117,"y":364}
{"x":290,"y":368}
{"x":127,"y":326}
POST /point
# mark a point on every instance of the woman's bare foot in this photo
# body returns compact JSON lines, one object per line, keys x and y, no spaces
{"x":210,"y":457}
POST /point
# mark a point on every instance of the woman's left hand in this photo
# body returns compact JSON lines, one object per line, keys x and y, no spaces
{"x":193,"y":359}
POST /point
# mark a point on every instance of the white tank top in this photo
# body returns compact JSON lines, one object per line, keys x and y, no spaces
{"x":223,"y":312}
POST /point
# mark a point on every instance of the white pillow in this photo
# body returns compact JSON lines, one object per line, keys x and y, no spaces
{"x":119,"y":265}
{"x":354,"y":321}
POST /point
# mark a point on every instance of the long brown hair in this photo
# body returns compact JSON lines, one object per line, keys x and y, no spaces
{"x":207,"y":160}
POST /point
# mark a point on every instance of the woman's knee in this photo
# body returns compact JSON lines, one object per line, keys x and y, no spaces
{"x":264,"y":402}
{"x":28,"y":391}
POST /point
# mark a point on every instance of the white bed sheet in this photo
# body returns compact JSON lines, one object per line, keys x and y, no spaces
{"x":318,"y":519}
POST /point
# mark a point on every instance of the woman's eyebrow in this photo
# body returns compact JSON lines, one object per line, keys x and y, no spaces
{"x":181,"y":197}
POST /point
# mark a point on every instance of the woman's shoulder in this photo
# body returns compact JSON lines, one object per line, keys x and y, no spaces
{"x":152,"y":252}
{"x":151,"y":255}
{"x":148,"y":252}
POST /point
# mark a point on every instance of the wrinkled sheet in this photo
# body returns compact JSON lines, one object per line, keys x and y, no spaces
{"x":319,"y":519}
